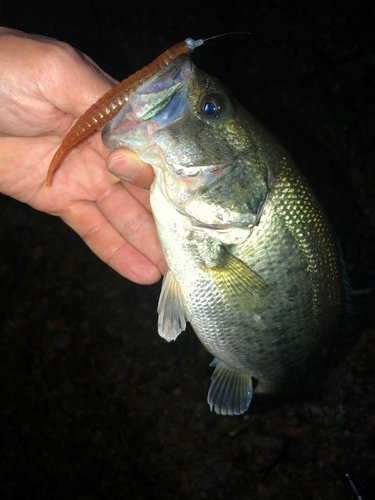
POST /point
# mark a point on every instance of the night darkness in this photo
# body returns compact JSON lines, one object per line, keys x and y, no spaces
{"x":93,"y":403}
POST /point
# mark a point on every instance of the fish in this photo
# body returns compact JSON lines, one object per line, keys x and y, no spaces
{"x":253,"y":263}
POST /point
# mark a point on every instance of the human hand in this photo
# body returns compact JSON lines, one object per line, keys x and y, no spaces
{"x":45,"y":85}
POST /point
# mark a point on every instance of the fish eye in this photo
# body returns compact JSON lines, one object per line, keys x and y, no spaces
{"x":212,"y":106}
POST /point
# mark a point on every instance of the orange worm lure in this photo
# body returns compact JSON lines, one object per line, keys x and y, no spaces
{"x":105,"y":108}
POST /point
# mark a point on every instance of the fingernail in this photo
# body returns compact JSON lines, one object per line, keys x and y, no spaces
{"x":124,"y":169}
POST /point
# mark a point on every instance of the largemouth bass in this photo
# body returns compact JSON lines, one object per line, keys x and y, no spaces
{"x":252,"y":261}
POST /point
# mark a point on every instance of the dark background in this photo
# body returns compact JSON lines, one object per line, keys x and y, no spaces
{"x":93,"y":403}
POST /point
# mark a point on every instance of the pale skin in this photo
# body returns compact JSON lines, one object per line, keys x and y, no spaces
{"x":45,"y":86}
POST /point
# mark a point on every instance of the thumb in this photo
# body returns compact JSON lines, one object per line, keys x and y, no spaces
{"x":130,"y":168}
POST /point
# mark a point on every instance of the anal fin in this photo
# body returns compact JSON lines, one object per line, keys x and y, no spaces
{"x":171,"y":310}
{"x":231,"y":390}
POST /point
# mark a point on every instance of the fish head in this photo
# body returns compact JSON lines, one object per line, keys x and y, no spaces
{"x":191,"y":130}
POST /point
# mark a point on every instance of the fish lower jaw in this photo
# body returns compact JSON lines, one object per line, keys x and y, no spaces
{"x":187,"y":171}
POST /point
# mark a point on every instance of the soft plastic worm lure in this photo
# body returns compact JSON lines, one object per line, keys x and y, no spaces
{"x":105,"y":108}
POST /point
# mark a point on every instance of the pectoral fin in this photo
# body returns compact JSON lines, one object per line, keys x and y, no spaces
{"x":231,"y":390}
{"x":171,"y":310}
{"x":235,"y":277}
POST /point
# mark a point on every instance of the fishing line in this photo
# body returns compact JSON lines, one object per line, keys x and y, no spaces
{"x":353,"y":487}
{"x":193,"y":44}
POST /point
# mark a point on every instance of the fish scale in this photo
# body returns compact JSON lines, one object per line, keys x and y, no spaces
{"x":300,"y":209}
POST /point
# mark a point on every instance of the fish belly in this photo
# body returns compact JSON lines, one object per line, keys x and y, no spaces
{"x":267,"y":339}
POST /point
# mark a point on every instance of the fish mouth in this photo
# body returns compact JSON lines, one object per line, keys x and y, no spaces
{"x":160,"y":102}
